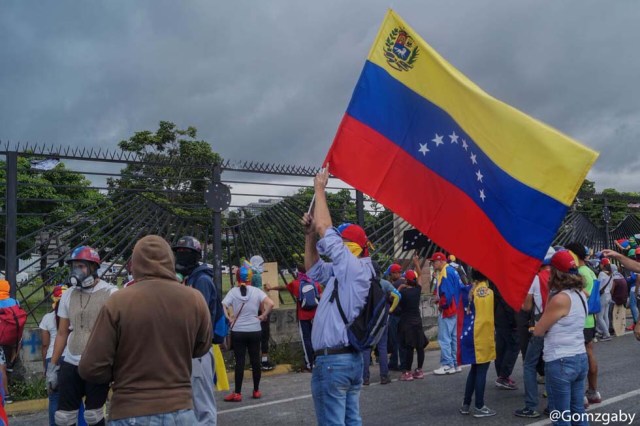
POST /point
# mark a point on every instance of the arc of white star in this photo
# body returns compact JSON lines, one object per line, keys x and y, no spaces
{"x":473,"y":158}
{"x":423,"y":148}
{"x":479,"y":175}
{"x":437,"y":140}
{"x":454,"y":137}
{"x":464,"y":144}
{"x":482,"y":195}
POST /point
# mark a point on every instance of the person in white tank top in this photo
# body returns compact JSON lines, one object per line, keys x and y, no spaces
{"x":562,"y":325}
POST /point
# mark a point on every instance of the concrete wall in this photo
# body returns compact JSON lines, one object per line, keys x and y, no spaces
{"x":284,"y":328}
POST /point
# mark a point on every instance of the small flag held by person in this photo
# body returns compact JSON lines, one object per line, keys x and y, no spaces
{"x":478,"y":177}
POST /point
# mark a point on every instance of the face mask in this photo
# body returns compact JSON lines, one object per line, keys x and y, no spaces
{"x":79,"y":279}
{"x":354,"y":248}
{"x":186,"y":262}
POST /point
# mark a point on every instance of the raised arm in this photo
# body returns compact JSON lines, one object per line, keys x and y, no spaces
{"x":628,"y":263}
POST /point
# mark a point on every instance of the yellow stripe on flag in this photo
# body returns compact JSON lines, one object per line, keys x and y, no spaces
{"x":525,"y":148}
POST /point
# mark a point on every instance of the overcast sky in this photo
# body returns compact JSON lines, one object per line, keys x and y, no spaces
{"x":270,"y":80}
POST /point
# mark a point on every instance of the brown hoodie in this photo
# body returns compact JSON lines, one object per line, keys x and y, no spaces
{"x":146,"y":335}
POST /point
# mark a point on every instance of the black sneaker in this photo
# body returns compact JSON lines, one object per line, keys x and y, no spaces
{"x":266,"y":366}
{"x":8,"y":399}
{"x":528,"y":413}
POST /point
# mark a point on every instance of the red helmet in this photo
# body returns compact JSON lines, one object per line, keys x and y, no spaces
{"x":85,"y":253}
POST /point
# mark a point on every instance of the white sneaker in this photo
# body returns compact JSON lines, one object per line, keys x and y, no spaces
{"x":458,"y":369}
{"x":445,"y":369}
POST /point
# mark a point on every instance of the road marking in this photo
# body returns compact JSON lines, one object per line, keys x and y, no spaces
{"x":264,"y":404}
{"x":593,"y":407}
{"x":281,"y":401}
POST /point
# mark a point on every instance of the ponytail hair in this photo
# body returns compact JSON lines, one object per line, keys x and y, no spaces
{"x":243,"y":290}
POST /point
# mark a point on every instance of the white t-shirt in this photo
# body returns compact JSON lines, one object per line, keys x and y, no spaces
{"x":48,"y":323}
{"x":248,"y":319}
{"x":63,"y":312}
{"x":534,"y":290}
{"x":603,"y":277}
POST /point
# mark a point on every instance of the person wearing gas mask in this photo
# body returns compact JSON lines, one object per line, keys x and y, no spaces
{"x":188,"y":252}
{"x":78,"y":310}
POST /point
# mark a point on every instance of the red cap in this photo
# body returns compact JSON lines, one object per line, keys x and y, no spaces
{"x":356,"y":234}
{"x":605,"y":262}
{"x":410,"y":275}
{"x":438,"y":256}
{"x":564,"y":262}
{"x":395,"y":268}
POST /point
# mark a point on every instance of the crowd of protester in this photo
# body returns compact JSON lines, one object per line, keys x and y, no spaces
{"x":155,"y":343}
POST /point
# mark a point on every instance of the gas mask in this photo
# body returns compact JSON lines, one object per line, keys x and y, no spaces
{"x":79,"y":279}
{"x":186,"y":262}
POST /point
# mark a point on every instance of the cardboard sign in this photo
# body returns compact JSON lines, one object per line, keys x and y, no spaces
{"x":270,"y":275}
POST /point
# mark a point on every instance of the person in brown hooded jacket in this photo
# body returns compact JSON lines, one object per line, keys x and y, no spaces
{"x":144,"y":339}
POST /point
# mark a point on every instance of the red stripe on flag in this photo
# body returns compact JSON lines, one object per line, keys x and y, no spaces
{"x":376,"y":166}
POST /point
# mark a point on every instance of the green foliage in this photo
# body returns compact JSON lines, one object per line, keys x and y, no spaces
{"x":51,"y":195}
{"x":184,"y":186}
{"x":618,"y":203}
{"x":35,"y":388}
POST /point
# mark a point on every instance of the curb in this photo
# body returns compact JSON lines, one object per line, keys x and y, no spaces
{"x":35,"y":405}
{"x":26,"y":407}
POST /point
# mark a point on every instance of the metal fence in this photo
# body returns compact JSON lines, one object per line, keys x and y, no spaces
{"x":49,"y":209}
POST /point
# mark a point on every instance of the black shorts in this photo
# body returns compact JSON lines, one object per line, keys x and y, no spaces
{"x":589,"y":334}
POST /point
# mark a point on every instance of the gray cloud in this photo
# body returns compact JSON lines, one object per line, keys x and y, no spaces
{"x":269,"y":81}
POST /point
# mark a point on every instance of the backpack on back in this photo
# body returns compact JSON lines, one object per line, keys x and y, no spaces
{"x":12,"y":321}
{"x":594,"y":298}
{"x":308,"y":295}
{"x":366,"y":329}
{"x":619,"y":291}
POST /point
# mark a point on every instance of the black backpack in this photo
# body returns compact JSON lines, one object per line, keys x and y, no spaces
{"x":366,"y":329}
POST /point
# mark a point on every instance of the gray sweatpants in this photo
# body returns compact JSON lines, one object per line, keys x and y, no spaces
{"x":204,"y":403}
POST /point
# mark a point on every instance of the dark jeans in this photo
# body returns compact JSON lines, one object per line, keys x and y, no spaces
{"x":305,"y":333}
{"x":397,"y":350}
{"x":507,"y":349}
{"x":243,"y":341}
{"x":73,"y":388}
{"x":53,"y":404}
{"x":476,"y":382}
{"x":266,"y":334}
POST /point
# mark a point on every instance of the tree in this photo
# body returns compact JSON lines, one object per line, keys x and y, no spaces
{"x":591,"y":204}
{"x":179,"y":185}
{"x":44,"y":198}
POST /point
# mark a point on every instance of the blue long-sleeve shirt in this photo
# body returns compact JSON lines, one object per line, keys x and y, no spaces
{"x":202,"y":280}
{"x":354,"y":278}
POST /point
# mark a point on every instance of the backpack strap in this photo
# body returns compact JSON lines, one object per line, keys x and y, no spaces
{"x":586,"y":312}
{"x":606,"y":285}
{"x":335,"y":296}
{"x":236,"y":318}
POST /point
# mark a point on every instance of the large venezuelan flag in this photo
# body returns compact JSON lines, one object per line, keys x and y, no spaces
{"x":480,"y":178}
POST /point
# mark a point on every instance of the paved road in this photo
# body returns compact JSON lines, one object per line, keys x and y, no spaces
{"x":433,"y":401}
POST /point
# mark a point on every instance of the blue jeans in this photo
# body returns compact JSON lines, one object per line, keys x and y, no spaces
{"x":335,"y":386}
{"x":565,"y":379}
{"x":447,"y":340}
{"x":633,"y":304}
{"x":476,"y":382}
{"x":534,"y":352}
{"x":398,"y":352}
{"x":175,"y":418}
{"x":383,"y":357}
